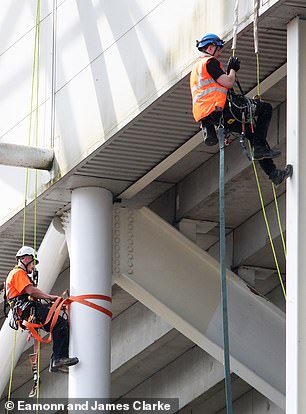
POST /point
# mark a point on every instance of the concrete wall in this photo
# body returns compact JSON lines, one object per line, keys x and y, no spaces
{"x":112,"y":60}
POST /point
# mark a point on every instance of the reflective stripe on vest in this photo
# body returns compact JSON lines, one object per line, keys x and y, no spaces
{"x":201,"y":83}
{"x":207,"y":91}
{"x":207,"y":94}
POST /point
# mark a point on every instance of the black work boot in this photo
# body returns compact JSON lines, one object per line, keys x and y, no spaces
{"x":65,"y":361}
{"x":209,"y":133}
{"x":279,"y":176}
{"x":63,"y":369}
{"x":260,"y":153}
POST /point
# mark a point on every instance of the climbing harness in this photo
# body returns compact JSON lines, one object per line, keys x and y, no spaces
{"x":242,"y":110}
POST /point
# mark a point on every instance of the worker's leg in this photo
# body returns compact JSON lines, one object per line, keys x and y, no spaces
{"x":261,"y":148}
{"x":209,"y":132}
{"x":263,"y":113}
{"x":59,"y":333}
{"x":275,"y":175}
{"x":60,"y":336}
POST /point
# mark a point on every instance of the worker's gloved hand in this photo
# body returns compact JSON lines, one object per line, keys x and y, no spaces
{"x":233,"y":63}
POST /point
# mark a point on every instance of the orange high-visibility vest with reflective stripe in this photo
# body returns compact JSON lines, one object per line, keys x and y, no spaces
{"x":206,"y":92}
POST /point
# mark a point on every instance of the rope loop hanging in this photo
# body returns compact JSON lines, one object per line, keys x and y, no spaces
{"x":235,"y":27}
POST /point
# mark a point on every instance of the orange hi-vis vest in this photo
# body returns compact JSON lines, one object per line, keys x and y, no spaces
{"x":207,"y":94}
{"x":16,"y":282}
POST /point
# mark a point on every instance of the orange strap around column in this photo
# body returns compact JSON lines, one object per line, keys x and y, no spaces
{"x":57,"y":306}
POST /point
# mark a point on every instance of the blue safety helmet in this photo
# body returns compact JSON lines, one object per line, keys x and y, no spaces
{"x":209,"y":39}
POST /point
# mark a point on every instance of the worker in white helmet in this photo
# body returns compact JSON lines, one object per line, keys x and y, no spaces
{"x":25,"y":298}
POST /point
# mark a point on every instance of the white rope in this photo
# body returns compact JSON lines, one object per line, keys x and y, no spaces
{"x":256,"y":8}
{"x":235,"y":26}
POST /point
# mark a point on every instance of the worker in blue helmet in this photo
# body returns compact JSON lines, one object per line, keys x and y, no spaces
{"x":213,"y":99}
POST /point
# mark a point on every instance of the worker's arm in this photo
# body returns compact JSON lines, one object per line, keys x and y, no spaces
{"x":217,"y":73}
{"x":38,"y":294}
{"x":227,"y":80}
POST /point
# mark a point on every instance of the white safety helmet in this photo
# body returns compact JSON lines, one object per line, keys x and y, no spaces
{"x":26,"y":251}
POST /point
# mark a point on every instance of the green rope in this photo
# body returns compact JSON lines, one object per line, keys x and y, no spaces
{"x":227,"y":369}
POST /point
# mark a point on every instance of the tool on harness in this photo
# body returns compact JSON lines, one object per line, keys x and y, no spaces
{"x":23,"y":309}
{"x":243,"y":111}
{"x":243,"y":138}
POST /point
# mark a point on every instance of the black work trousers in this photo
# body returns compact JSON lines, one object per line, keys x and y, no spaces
{"x":258,"y":138}
{"x":60,"y":332}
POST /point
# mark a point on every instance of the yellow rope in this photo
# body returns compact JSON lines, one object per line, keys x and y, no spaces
{"x":37,"y":116}
{"x":35,"y":76}
{"x":274,"y":194}
{"x":268,"y":227}
{"x":12,"y":369}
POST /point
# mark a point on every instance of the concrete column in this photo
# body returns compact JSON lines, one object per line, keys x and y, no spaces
{"x":90,"y":272}
{"x":296,"y":218}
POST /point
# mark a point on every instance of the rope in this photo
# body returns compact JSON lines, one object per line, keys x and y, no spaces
{"x":235,"y":27}
{"x":35,"y":69}
{"x":227,"y":369}
{"x":36,"y":118}
{"x":35,"y":76}
{"x":256,"y":9}
{"x":268,"y":227}
{"x":12,"y":369}
{"x":38,"y":374}
{"x":53,"y":74}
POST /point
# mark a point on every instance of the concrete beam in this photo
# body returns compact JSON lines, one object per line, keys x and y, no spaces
{"x":270,"y":81}
{"x":26,"y":156}
{"x":180,"y":282}
{"x":163,"y":166}
{"x":133,"y":331}
{"x":194,"y":189}
{"x":195,"y":373}
{"x":245,"y":402}
{"x":252,"y":235}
